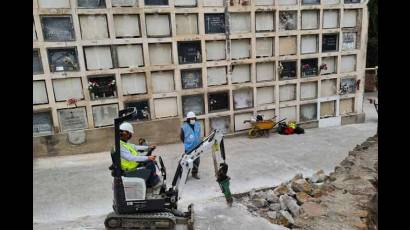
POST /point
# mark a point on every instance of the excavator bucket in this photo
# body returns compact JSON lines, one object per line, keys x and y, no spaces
{"x":223,"y":181}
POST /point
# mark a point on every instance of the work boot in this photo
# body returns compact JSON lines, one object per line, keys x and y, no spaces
{"x":195,"y":175}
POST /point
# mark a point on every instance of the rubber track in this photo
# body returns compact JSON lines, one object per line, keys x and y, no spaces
{"x":143,"y":217}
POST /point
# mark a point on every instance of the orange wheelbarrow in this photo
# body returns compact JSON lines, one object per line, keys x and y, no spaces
{"x":261,"y":127}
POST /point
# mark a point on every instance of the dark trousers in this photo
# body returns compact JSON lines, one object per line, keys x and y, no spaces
{"x":147,"y":171}
{"x":196,"y":165}
{"x":153,"y":178}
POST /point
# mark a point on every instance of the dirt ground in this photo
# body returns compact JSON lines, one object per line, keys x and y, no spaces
{"x":346,"y":199}
{"x":351,"y":202}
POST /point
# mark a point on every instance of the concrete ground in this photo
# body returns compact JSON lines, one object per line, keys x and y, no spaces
{"x":74,"y":192}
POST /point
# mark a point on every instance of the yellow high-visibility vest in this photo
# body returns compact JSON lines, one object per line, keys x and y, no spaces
{"x":126,"y":164}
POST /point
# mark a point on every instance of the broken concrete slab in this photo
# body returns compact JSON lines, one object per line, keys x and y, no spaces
{"x":270,"y":196}
{"x":260,"y":202}
{"x":301,"y":185}
{"x":272,"y":214}
{"x":281,"y":189}
{"x":302,"y":197}
{"x":290,"y":190}
{"x":285,"y":218}
{"x":275,"y":207}
{"x":297,"y":177}
{"x":318,"y":177}
{"x":290,"y":204}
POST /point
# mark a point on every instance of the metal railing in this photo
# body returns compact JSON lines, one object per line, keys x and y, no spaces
{"x":372,"y":68}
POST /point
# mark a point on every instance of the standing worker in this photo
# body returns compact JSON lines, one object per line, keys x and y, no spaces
{"x":131,"y":158}
{"x":191,"y":137}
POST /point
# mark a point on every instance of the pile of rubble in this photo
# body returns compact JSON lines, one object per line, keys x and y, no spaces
{"x":345,"y":199}
{"x":281,"y":204}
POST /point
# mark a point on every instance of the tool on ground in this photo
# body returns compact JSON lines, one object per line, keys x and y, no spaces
{"x":138,"y":207}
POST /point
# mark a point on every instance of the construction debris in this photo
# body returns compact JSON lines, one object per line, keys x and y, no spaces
{"x":346,"y":199}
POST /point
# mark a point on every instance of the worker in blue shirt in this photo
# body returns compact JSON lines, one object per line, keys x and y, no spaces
{"x":191,"y":137}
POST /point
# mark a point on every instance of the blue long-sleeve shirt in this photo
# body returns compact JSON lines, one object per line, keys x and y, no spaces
{"x":128,"y":156}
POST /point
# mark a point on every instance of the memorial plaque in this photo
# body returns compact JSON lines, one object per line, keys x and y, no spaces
{"x":288,"y":112}
{"x":308,"y":112}
{"x":346,"y":106}
{"x":287,"y":69}
{"x":191,"y":79}
{"x":347,"y":85}
{"x":329,"y":42}
{"x":218,"y":101}
{"x":39,"y":93}
{"x":185,"y":3}
{"x":102,"y":87}
{"x":76,"y":137}
{"x":127,"y":25}
{"x":329,"y":65}
{"x":124,"y":2}
{"x":104,"y":114}
{"x":287,"y":92}
{"x":265,"y":71}
{"x":156,"y":2}
{"x":330,"y":2}
{"x":162,"y":81}
{"x":239,"y":121}
{"x":91,"y":4}
{"x":307,"y":2}
{"x":220,"y":123}
{"x":240,"y":48}
{"x":189,"y":52}
{"x":241,"y":73}
{"x":327,"y":109}
{"x":133,"y":83}
{"x":57,"y":28}
{"x":53,"y":4}
{"x":42,"y":124}
{"x":214,"y":23}
{"x":72,"y":119}
{"x":215,"y":50}
{"x":287,"y":2}
{"x":349,"y":41}
{"x":143,"y":112}
{"x":308,"y":90}
{"x":158,"y":25}
{"x":243,"y":98}
{"x":194,"y":103}
{"x":288,"y":20}
{"x":348,"y":63}
{"x":352,"y":1}
{"x":216,"y":76}
{"x":309,"y":67}
{"x":64,"y":59}
{"x":37,"y":65}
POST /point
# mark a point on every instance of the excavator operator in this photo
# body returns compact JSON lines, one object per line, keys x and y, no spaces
{"x":131,"y":157}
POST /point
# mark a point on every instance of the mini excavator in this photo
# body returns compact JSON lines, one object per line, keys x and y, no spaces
{"x":138,"y":207}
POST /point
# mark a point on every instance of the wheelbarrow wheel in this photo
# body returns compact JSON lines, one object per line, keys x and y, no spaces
{"x":261,"y":132}
{"x":252,"y":133}
{"x":267,"y":132}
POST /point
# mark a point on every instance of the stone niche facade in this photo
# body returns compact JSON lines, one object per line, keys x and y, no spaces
{"x":303,"y":60}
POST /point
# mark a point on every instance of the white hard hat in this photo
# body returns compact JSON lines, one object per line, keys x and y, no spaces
{"x":190,"y":115}
{"x":127,"y":127}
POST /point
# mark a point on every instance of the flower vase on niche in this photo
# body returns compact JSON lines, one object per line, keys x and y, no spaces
{"x":92,"y":96}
